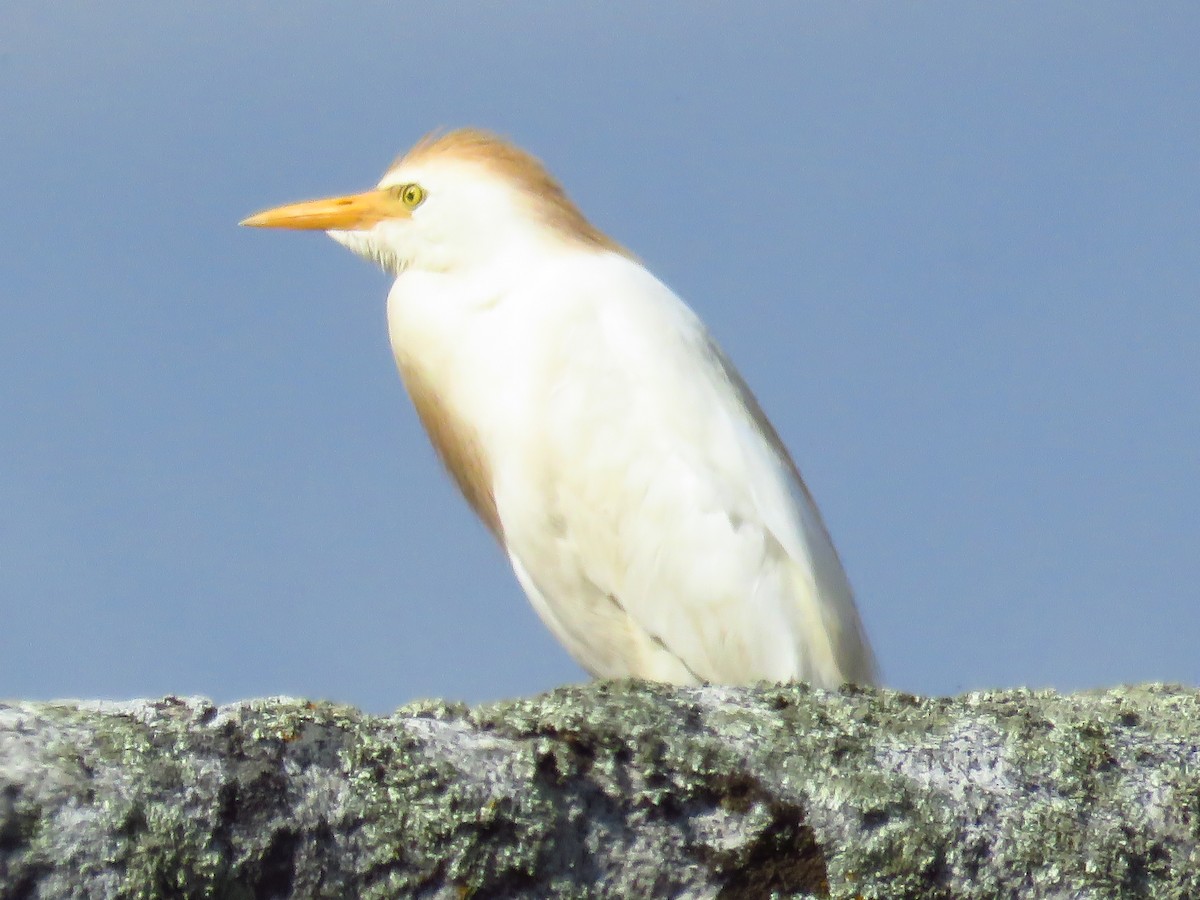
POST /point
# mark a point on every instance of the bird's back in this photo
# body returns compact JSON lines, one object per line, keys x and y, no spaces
{"x":649,"y":508}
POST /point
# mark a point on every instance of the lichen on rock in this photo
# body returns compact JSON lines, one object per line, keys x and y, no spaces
{"x":612,"y":789}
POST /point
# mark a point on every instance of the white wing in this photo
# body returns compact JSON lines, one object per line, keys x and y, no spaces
{"x":656,"y":521}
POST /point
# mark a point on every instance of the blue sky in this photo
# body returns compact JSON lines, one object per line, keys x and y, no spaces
{"x":955,"y":248}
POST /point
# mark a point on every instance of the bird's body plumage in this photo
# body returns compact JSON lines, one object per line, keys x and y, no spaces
{"x":649,"y":510}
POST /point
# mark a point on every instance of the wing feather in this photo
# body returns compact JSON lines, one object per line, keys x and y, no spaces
{"x":684,"y":545}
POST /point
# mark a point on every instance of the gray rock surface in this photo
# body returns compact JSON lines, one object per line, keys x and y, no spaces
{"x":609,"y":790}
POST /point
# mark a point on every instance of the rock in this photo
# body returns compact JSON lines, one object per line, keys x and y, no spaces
{"x":617,"y":789}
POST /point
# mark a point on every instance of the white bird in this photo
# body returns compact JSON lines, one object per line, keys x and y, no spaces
{"x":648,"y":507}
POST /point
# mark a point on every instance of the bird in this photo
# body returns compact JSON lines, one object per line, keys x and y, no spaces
{"x":648,"y":507}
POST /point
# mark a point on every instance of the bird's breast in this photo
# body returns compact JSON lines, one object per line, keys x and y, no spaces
{"x":456,"y":441}
{"x":466,"y":358}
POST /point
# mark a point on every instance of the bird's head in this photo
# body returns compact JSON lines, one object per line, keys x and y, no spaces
{"x":455,"y":201}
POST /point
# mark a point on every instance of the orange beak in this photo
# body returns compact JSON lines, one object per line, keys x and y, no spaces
{"x":352,"y":212}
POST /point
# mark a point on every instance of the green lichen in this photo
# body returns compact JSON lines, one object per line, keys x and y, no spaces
{"x":423,"y":823}
{"x":777,"y":791}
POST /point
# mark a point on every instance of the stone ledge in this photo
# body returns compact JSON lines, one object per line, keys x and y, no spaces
{"x":621,"y":789}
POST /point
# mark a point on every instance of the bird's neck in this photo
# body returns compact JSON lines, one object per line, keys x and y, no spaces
{"x":454,"y":330}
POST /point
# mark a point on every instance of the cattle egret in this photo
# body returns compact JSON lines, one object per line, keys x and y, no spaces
{"x":648,"y":507}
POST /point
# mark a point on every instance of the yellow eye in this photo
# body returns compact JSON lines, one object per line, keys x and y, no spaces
{"x":412,"y":195}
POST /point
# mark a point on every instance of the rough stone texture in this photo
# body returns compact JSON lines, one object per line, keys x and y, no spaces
{"x":609,"y":790}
